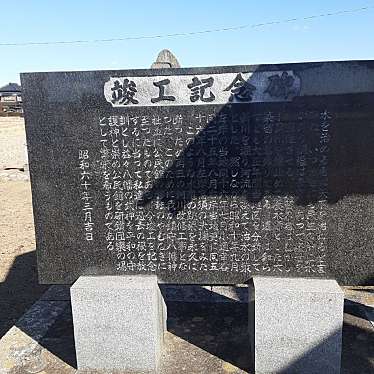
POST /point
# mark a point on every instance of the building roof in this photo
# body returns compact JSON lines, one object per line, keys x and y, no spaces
{"x":11,"y":87}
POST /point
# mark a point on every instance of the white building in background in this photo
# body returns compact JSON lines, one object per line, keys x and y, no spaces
{"x":11,"y":98}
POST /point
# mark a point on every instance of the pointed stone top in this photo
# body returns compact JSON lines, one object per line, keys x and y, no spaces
{"x":165,"y":59}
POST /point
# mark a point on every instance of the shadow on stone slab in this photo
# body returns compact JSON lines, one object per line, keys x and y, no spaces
{"x":357,"y":309}
{"x":43,"y":316}
{"x":59,"y":339}
{"x":219,"y":328}
{"x":201,"y":293}
{"x":358,"y":346}
{"x":19,"y":290}
{"x":50,"y":324}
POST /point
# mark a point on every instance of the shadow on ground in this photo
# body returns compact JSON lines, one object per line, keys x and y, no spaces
{"x":219,"y":328}
{"x":19,"y":290}
{"x":358,"y":340}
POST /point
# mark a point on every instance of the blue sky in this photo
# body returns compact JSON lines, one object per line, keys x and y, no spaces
{"x":343,"y":37}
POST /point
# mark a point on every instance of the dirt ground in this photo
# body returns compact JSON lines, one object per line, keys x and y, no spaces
{"x":12,"y":143}
{"x":19,"y":287}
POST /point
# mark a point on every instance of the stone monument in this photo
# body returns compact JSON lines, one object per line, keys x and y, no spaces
{"x":165,"y":59}
{"x":214,"y":175}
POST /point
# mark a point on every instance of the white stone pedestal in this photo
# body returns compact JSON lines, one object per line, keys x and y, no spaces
{"x":119,"y":322}
{"x":295,"y":325}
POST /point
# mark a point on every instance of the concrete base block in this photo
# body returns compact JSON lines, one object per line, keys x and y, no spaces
{"x":119,"y":322}
{"x":295,"y":325}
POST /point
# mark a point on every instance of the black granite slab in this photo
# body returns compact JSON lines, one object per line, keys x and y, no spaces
{"x":276,"y":178}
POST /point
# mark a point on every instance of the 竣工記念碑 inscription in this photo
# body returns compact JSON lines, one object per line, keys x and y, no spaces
{"x":204,"y":175}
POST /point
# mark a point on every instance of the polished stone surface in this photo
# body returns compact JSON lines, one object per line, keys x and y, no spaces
{"x":277,"y":180}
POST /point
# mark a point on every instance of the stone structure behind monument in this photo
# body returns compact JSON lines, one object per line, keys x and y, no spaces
{"x":204,"y":175}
